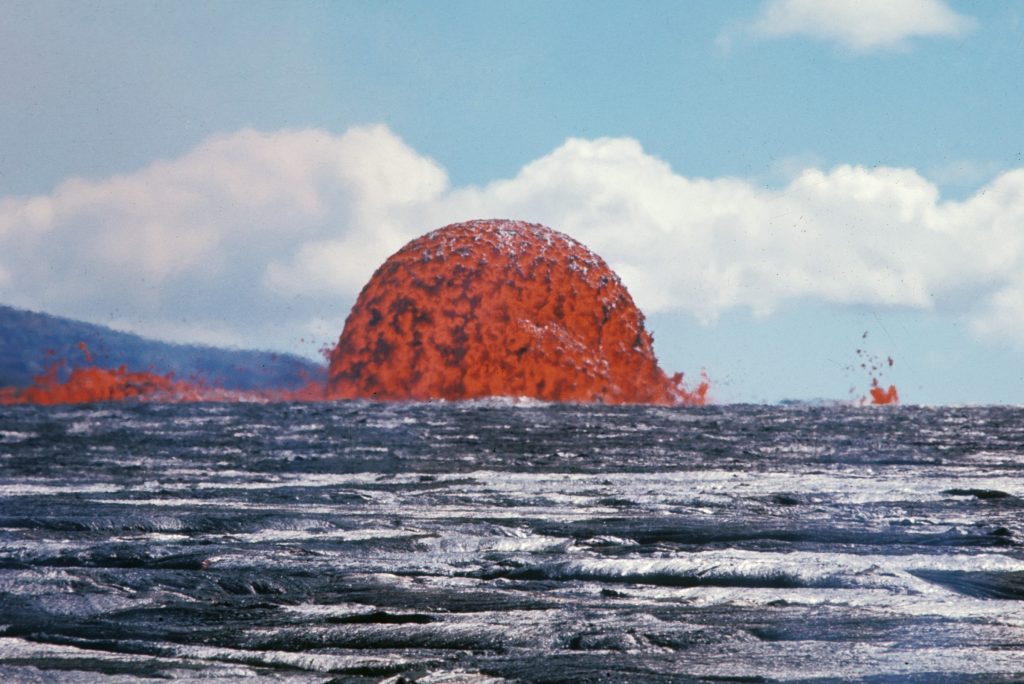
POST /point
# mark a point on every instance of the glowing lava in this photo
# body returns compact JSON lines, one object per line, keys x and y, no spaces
{"x":880,"y":396}
{"x":88,"y":384}
{"x":499,"y":308}
{"x":478,"y":309}
{"x":874,"y":365}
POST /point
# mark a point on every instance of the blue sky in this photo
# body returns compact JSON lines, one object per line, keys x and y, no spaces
{"x":770,"y":178}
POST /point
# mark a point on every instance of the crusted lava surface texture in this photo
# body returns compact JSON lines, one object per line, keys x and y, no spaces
{"x":498,"y":308}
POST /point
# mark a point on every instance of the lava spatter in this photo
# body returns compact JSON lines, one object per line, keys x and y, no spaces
{"x":875,"y":367}
{"x":499,"y":308}
{"x":881,"y":396}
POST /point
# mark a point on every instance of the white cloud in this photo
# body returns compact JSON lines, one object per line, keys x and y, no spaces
{"x":258,"y":238}
{"x":1002,"y":315}
{"x":850,"y":236}
{"x":861,"y":25}
{"x":197,"y":239}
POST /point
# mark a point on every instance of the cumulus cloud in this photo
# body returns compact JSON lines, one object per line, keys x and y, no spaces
{"x":257,"y":239}
{"x":861,"y":25}
{"x":211,"y":246}
{"x":850,"y":235}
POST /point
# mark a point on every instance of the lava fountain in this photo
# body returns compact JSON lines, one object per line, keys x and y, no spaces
{"x":499,"y":308}
{"x":477,"y":309}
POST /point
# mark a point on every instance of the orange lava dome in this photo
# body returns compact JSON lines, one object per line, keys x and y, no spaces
{"x":499,"y":308}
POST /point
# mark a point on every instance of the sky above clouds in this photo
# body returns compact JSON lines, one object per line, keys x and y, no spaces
{"x":770,"y":179}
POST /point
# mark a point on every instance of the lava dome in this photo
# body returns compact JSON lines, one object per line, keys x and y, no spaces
{"x":499,"y":308}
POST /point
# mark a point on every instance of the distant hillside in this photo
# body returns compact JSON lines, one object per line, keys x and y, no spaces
{"x":27,"y":337}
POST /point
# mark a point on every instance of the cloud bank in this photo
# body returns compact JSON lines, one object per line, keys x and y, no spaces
{"x":259,"y":239}
{"x":861,"y":25}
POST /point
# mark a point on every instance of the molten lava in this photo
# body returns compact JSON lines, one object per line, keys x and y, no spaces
{"x":478,"y":309}
{"x":874,"y":365}
{"x":499,"y":308}
{"x":88,"y":384}
{"x":881,"y":396}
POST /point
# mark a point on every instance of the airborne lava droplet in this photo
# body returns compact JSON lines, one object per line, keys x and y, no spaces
{"x":499,"y":308}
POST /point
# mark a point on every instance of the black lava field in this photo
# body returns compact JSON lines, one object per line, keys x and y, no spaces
{"x":494,"y":541}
